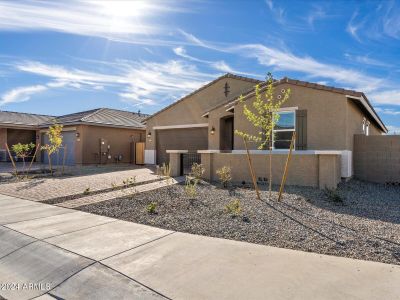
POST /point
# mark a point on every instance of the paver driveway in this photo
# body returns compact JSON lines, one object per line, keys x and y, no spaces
{"x":68,"y":254}
{"x":52,"y":187}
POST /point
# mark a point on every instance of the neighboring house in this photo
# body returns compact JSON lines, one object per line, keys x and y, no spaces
{"x":325,"y":120}
{"x":96,"y":136}
{"x":19,"y":128}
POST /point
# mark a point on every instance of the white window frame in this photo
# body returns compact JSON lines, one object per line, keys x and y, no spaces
{"x":285,"y":130}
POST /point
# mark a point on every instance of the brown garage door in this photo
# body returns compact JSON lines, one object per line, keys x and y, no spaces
{"x":191,"y":139}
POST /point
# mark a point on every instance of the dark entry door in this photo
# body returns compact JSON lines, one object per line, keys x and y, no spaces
{"x":226,"y":133}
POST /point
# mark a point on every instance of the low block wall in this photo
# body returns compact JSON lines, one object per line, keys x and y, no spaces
{"x":314,"y":170}
{"x":377,"y":158}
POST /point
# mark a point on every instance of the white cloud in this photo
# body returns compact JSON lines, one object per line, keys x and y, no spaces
{"x":389,"y":96}
{"x":366,"y":60}
{"x":393,"y":129}
{"x":140,"y":82}
{"x":286,"y":61}
{"x":317,"y":13}
{"x":21,"y":94}
{"x":353,"y":27}
{"x":388,"y":111}
{"x":116,"y":20}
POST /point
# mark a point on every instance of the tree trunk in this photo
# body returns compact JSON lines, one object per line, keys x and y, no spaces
{"x":51,"y":170}
{"x":270,"y":171}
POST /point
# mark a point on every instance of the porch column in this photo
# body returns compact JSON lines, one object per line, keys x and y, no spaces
{"x":38,"y":140}
{"x":175,"y":161}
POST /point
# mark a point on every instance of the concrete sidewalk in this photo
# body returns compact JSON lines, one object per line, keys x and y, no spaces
{"x":70,"y":254}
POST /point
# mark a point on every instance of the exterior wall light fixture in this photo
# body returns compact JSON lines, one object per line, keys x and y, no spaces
{"x":77,"y":134}
{"x":212,"y":130}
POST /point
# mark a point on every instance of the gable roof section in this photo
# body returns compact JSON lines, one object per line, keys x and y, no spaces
{"x":23,"y":119}
{"x":351,"y":94}
{"x":103,"y":116}
{"x":227,"y":75}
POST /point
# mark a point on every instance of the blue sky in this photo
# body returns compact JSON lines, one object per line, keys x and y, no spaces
{"x":68,"y":56}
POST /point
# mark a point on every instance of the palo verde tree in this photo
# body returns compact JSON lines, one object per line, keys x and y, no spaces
{"x":263,"y":116}
{"x":55,"y":142}
{"x":23,"y":151}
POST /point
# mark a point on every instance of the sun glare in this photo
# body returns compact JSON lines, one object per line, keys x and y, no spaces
{"x":125,"y":9}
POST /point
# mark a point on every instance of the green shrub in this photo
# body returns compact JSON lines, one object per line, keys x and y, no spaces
{"x":224,"y":175}
{"x":86,"y":191}
{"x":333,"y":195}
{"x":23,"y":151}
{"x":190,"y":187}
{"x":151,"y":208}
{"x":114,"y":186}
{"x":234,"y":207}
{"x":197,"y":171}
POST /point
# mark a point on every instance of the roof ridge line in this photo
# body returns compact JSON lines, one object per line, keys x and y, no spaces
{"x":92,"y":114}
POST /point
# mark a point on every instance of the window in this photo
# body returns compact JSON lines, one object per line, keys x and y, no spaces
{"x":284,"y":128}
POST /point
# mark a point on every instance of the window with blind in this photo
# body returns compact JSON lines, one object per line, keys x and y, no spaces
{"x":283,"y":130}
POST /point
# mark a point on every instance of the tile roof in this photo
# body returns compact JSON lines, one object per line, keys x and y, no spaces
{"x":99,"y":116}
{"x":104,"y":116}
{"x":23,"y":119}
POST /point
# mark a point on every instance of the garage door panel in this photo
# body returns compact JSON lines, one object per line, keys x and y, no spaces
{"x":191,"y":139}
{"x":69,"y":141}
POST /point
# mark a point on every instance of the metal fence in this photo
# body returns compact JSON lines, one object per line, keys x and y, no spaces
{"x":187,"y":160}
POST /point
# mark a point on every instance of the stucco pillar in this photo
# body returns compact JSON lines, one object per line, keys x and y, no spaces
{"x":39,"y":152}
{"x":328,"y":171}
{"x":175,"y":161}
{"x":3,"y":137}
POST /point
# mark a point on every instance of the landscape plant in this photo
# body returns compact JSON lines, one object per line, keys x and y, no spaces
{"x":151,"y":208}
{"x":191,"y":187}
{"x":234,"y":207}
{"x":225,"y":175}
{"x":86,"y":191}
{"x":23,"y":151}
{"x":55,"y":142}
{"x":197,"y":171}
{"x":263,"y":116}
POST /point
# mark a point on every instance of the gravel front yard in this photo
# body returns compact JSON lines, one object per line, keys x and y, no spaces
{"x":364,"y":225}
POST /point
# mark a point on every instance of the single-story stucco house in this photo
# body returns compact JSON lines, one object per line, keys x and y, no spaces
{"x":96,"y":136}
{"x":325,"y":119}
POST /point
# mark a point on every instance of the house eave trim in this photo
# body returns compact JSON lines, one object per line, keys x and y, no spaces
{"x":182,"y":126}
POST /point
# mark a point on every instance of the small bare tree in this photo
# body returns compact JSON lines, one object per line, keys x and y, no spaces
{"x":55,"y":142}
{"x":263,"y":116}
{"x":23,"y":151}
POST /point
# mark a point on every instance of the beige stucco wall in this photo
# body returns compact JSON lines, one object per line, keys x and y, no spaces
{"x":118,"y":138}
{"x":326,"y":117}
{"x":332,"y":119}
{"x":189,"y":110}
{"x":377,"y":158}
{"x":354,"y":124}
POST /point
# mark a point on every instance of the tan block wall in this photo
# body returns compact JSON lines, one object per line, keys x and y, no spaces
{"x":377,"y":158}
{"x":118,"y":138}
{"x":329,"y":171}
{"x":303,"y":169}
{"x":189,"y":111}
